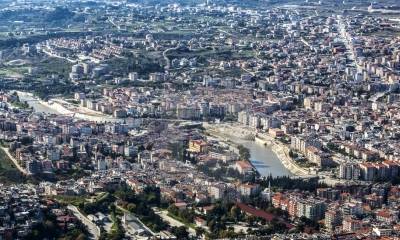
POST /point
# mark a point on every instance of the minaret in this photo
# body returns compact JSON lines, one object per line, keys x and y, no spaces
{"x":269,"y":191}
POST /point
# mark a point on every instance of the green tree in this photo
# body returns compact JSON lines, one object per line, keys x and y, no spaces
{"x":180,"y":232}
{"x":199,"y":231}
{"x":131,"y":207}
{"x":244,"y":152}
{"x":235,"y":213}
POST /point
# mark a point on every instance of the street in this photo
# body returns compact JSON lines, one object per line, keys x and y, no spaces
{"x":93,"y":229}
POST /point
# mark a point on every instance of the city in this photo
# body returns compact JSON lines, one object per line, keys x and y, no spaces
{"x":215,"y":119}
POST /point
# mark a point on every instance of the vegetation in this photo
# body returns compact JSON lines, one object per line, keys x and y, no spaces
{"x":19,"y":104}
{"x":59,"y":14}
{"x":244,"y":152}
{"x":49,"y":229}
{"x":117,"y":232}
{"x":219,"y":216}
{"x":128,"y":64}
{"x":220,"y":173}
{"x":180,"y":232}
{"x":183,"y":215}
{"x":275,"y":226}
{"x":56,"y":66}
{"x":74,"y":200}
{"x":15,"y":102}
{"x":230,"y":118}
{"x":308,"y":225}
{"x":304,"y":163}
{"x":99,"y":205}
{"x":44,"y":91}
{"x":8,"y":172}
{"x":141,"y":205}
{"x":287,"y":183}
{"x":178,"y":151}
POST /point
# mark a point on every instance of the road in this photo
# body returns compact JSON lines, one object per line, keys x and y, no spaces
{"x":93,"y":229}
{"x":227,"y":33}
{"x":173,"y":222}
{"x":306,"y":43}
{"x":248,"y":71}
{"x":348,"y":43}
{"x":56,"y":56}
{"x":166,"y":57}
{"x":16,"y":163}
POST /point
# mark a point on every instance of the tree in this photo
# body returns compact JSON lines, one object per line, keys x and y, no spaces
{"x":131,"y":207}
{"x":180,"y":232}
{"x":251,"y":220}
{"x":199,"y":231}
{"x":244,"y":152}
{"x":173,"y":210}
{"x":141,"y":148}
{"x":235,"y":213}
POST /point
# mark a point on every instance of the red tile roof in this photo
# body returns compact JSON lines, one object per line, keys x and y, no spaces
{"x":260,"y":213}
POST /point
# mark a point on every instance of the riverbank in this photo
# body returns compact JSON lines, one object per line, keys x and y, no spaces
{"x":233,"y":146}
{"x":281,"y":151}
{"x":59,"y":106}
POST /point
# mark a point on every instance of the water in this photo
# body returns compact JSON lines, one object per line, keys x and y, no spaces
{"x":264,"y":159}
{"x":39,"y":107}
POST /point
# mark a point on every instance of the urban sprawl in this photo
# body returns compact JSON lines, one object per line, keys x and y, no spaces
{"x":199,"y":119}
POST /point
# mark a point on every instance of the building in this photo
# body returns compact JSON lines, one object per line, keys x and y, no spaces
{"x":244,"y":167}
{"x":311,"y":209}
{"x":367,"y":171}
{"x":333,"y":218}
{"x":387,"y":216}
{"x":248,"y":190}
{"x":217,"y":191}
{"x":276,"y":132}
{"x":351,"y":225}
{"x":349,"y":171}
{"x":244,"y":118}
{"x":157,"y":77}
{"x":79,"y":96}
{"x":197,"y":146}
{"x":133,"y":76}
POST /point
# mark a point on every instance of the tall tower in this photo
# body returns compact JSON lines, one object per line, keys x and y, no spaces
{"x":269,"y":191}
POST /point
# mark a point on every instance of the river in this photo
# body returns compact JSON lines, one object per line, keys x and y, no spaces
{"x":264,"y":159}
{"x":34,"y":102}
{"x":40,"y":107}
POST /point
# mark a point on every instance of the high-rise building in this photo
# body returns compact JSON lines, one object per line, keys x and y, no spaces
{"x":333,"y":218}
